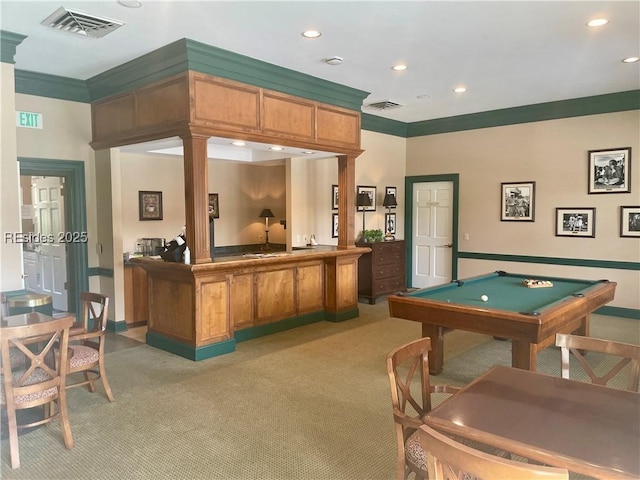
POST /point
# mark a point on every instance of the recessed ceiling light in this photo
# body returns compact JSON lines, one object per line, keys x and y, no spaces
{"x":460,"y":89}
{"x":333,"y":60}
{"x":400,"y":67}
{"x":130,"y":3}
{"x":238,"y":143}
{"x":276,"y":148}
{"x":630,"y":59}
{"x":597,"y":22}
{"x":311,"y":34}
{"x":307,"y":152}
{"x":423,"y":97}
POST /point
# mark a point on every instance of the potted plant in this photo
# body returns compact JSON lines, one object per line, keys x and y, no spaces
{"x":372,"y":236}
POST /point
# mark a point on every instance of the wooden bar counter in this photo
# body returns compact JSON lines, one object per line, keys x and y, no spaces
{"x":200,"y":311}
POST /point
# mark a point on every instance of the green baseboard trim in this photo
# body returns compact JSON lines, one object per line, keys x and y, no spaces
{"x":574,"y":262}
{"x":100,"y":272}
{"x":342,"y":316}
{"x":619,"y":312}
{"x":189,"y":351}
{"x":279,"y":326}
{"x":117,"y":327}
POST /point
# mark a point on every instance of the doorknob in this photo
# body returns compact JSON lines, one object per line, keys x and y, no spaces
{"x":448,"y":245}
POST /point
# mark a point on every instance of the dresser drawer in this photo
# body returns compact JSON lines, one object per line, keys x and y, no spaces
{"x":388,"y":285}
{"x":394,"y":269}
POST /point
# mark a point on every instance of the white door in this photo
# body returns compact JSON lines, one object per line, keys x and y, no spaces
{"x":432,"y":233}
{"x":49,"y":223}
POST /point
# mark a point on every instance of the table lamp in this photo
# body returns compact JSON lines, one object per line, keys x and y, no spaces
{"x":266,"y":214}
{"x":389,"y":202}
{"x":364,"y":200}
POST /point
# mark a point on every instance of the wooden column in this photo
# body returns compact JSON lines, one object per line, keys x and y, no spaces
{"x":346,"y":200}
{"x":196,"y":186}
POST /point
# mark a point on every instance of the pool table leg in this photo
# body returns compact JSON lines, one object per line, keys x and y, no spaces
{"x":436,"y":355}
{"x":524,"y":355}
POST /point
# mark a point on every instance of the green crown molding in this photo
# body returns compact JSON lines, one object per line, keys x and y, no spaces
{"x":51,"y":86}
{"x":373,"y":123}
{"x":8,"y":43}
{"x":575,"y":107}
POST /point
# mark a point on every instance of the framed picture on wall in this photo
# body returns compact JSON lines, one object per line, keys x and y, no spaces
{"x":334,"y":197}
{"x":630,"y":222}
{"x":214,"y":206}
{"x":150,"y":205}
{"x":371,"y":193}
{"x":576,"y":222}
{"x":390,"y":223}
{"x":518,"y":202}
{"x":334,"y":225}
{"x":610,"y":170}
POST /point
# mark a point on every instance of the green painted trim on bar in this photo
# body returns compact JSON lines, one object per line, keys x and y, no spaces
{"x":279,"y":326}
{"x":377,"y":124}
{"x":75,"y":214}
{"x":188,"y":351}
{"x":223,"y":63}
{"x":117,"y":327}
{"x":9,"y":41}
{"x":575,"y":107}
{"x":619,"y":312}
{"x":100,"y":272}
{"x":408,"y":222}
{"x":51,"y":86}
{"x":342,"y":316}
{"x":574,"y":262}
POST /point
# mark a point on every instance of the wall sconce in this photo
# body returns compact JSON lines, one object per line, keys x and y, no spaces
{"x":363,"y":201}
{"x":389,"y":202}
{"x":266,"y":214}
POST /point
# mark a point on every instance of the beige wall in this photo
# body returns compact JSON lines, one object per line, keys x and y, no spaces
{"x":554,"y":155}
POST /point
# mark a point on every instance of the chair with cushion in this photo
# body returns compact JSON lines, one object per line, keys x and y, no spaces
{"x":451,"y":460}
{"x":87,"y":344}
{"x":37,"y":380}
{"x":603,"y":372}
{"x":411,"y":389}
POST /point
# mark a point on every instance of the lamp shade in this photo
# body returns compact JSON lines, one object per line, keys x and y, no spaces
{"x":364,"y":200}
{"x":389,"y":200}
{"x":267,"y":213}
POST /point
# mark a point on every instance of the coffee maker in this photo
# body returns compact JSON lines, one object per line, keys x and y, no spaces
{"x":150,"y":246}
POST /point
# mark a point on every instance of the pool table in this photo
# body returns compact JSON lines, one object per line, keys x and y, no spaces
{"x":529,"y":317}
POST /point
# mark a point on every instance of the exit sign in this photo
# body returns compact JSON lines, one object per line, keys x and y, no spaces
{"x":29,"y":120}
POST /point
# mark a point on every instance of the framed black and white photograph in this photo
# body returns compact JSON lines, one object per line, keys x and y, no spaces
{"x":150,"y":205}
{"x":391,"y":191}
{"x":214,"y":206}
{"x":576,"y":222}
{"x":518,"y":202}
{"x":390,"y":223}
{"x":610,"y":170}
{"x":371,"y":193}
{"x":334,"y":197}
{"x":630,"y":222}
{"x":334,"y":225}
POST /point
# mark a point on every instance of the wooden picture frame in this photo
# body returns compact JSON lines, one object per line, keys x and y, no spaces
{"x":334,"y":225}
{"x":214,"y":205}
{"x":518,"y":201}
{"x":610,"y":170}
{"x":149,"y":205}
{"x":630,"y":221}
{"x":371,"y":191}
{"x":576,"y":222}
{"x":390,"y":223}
{"x":334,"y":197}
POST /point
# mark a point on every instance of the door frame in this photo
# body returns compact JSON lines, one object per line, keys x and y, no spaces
{"x":454,"y":178}
{"x":75,"y":217}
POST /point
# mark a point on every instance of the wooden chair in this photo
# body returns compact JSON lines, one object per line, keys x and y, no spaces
{"x":450,"y":460}
{"x":579,"y":345}
{"x":38,"y":381}
{"x":88,"y":342}
{"x":411,"y":389}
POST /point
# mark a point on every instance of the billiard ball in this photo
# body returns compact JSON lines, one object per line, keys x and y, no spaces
{"x":484,"y":298}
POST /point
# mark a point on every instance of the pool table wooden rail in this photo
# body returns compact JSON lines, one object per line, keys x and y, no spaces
{"x":529,"y":333}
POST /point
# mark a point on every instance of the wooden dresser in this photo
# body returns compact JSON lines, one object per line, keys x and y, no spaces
{"x":382,"y":271}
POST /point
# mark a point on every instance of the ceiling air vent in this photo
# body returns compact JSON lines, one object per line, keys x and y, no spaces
{"x":75,"y":21}
{"x":385,"y":105}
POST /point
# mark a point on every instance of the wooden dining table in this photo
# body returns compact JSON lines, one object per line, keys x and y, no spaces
{"x":585,"y":428}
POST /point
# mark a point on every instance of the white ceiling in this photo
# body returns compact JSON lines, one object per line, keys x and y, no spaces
{"x":506,"y":53}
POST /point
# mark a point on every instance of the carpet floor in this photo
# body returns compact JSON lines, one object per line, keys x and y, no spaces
{"x":309,"y":403}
